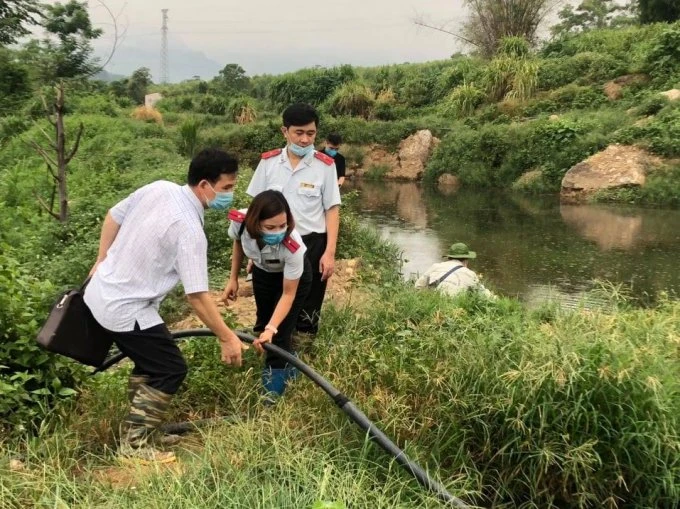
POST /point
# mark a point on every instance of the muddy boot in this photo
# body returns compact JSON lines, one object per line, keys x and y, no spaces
{"x":160,"y":438}
{"x":133,"y":384}
{"x":147,"y":410}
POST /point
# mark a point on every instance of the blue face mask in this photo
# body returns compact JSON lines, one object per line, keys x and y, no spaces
{"x":332,"y":152}
{"x":300,"y":151}
{"x":273,"y":238}
{"x":222,"y":200}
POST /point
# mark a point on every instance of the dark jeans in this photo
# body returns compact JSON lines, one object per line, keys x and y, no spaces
{"x":268,"y":288}
{"x":153,"y":352}
{"x":308,"y":320}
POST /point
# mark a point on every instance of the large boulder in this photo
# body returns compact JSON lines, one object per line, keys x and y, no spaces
{"x":615,"y":167}
{"x":414,"y":152}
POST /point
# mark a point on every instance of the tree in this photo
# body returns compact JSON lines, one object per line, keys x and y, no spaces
{"x":14,"y":81}
{"x":652,"y":11}
{"x":15,"y":15}
{"x":67,"y":52}
{"x":70,"y":58}
{"x":591,"y":14}
{"x":138,"y":84}
{"x":492,"y":20}
{"x":233,"y":78}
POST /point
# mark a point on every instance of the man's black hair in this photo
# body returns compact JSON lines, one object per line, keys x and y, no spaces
{"x":300,"y":114}
{"x":209,"y":164}
{"x":334,"y":139}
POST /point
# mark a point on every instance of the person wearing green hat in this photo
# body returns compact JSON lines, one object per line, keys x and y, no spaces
{"x":453,"y":276}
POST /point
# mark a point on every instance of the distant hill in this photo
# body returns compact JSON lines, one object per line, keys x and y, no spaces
{"x":104,"y":75}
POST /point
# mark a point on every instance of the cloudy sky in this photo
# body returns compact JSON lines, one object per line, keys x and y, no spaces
{"x":267,"y":36}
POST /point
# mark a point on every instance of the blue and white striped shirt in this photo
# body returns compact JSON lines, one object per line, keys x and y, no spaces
{"x":160,"y":243}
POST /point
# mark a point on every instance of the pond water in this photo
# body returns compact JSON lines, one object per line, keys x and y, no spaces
{"x":532,"y":248}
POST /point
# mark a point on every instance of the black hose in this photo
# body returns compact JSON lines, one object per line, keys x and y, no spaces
{"x":340,"y":400}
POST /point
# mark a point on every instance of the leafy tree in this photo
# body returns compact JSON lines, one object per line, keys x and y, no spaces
{"x":492,"y":20}
{"x":14,"y":81}
{"x":652,"y":11}
{"x":233,"y":78}
{"x":138,"y":84}
{"x":14,"y":16}
{"x":70,"y":24}
{"x":591,"y":14}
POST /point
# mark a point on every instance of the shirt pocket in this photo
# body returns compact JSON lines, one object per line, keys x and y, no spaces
{"x":309,"y":198}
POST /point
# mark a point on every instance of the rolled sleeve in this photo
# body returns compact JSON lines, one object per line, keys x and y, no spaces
{"x":234,"y":227}
{"x":331,"y":190}
{"x":192,"y":263}
{"x":259,"y":181}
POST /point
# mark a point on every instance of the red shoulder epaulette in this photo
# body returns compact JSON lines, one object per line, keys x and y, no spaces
{"x":328,"y":160}
{"x":272,"y":153}
{"x":236,"y":215}
{"x":290,"y":244}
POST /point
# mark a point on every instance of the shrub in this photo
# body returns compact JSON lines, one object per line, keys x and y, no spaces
{"x":652,"y":105}
{"x":463,"y":100}
{"x":377,"y":171}
{"x":353,"y":99}
{"x":242,"y":110}
{"x":96,"y":105}
{"x":188,"y":131}
{"x":32,"y":381}
{"x":663,"y":60}
{"x":512,"y":78}
{"x":212,"y":105}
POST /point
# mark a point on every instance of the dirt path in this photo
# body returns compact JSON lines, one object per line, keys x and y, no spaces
{"x":340,"y":290}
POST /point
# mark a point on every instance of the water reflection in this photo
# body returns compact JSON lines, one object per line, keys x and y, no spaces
{"x":527,"y":244}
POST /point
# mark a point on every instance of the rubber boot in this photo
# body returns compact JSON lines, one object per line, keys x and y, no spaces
{"x":133,"y":384}
{"x":275,"y":381}
{"x":148,"y":408}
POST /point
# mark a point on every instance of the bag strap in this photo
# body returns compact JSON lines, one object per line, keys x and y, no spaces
{"x":441,"y":279}
{"x":240,"y":230}
{"x":82,"y":287}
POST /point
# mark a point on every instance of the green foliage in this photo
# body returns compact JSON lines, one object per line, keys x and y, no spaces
{"x":377,"y":172}
{"x":582,"y":68}
{"x":15,"y":86}
{"x":652,"y":11}
{"x":570,"y":97}
{"x":232,"y":79}
{"x":660,"y":135}
{"x":138,"y":84}
{"x":663,"y":59}
{"x":212,"y":104}
{"x":188,"y":131}
{"x":70,"y":24}
{"x":96,"y":104}
{"x":661,"y":189}
{"x":589,"y":15}
{"x":652,"y":105}
{"x":15,"y":18}
{"x":312,"y":86}
{"x":509,"y":77}
{"x":463,"y":101}
{"x":353,"y":99}
{"x":31,"y":380}
{"x":514,"y":47}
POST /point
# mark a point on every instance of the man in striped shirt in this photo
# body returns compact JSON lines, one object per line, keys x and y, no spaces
{"x":151,"y":241}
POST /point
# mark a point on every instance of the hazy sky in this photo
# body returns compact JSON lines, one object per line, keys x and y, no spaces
{"x":267,"y":36}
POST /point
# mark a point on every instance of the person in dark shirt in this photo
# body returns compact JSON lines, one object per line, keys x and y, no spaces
{"x":333,"y":142}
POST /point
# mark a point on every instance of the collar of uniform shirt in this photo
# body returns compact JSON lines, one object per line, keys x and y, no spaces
{"x":307,"y":159}
{"x":195,"y":202}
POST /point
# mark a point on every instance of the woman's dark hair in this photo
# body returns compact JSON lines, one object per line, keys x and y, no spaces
{"x":299,"y":114}
{"x":209,"y":164}
{"x":264,"y":206}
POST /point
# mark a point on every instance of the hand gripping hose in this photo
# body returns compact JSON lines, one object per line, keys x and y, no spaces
{"x":340,"y":400}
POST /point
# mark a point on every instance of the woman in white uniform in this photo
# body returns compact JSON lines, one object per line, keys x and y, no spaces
{"x":282,"y":277}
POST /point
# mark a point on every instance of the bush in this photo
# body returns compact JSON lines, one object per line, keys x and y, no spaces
{"x":96,"y":105}
{"x":353,"y":99}
{"x":660,"y":136}
{"x":582,"y":68}
{"x":377,"y":172}
{"x":212,"y":105}
{"x":663,"y":60}
{"x":188,"y":131}
{"x":32,"y":381}
{"x":463,"y":101}
{"x":242,"y":110}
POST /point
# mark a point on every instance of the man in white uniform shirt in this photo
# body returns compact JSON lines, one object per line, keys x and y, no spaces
{"x":453,"y":276}
{"x":151,"y":241}
{"x":308,"y":180}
